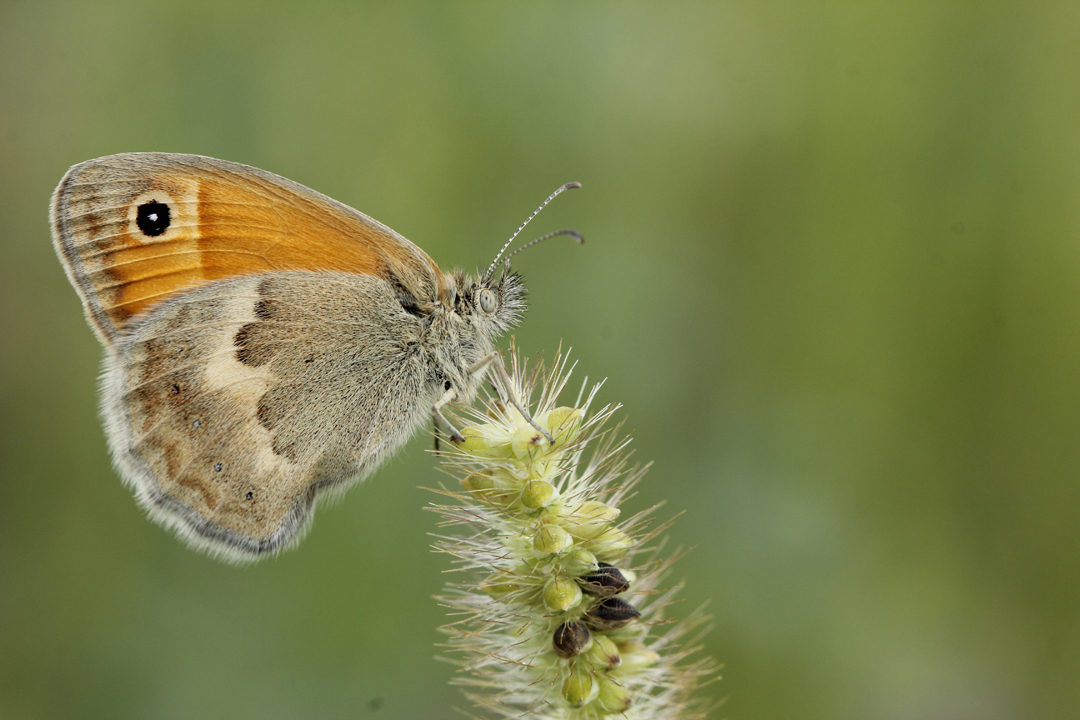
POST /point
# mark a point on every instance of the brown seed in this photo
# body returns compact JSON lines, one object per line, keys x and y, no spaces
{"x":570,"y":639}
{"x":610,"y":614}
{"x":605,"y":581}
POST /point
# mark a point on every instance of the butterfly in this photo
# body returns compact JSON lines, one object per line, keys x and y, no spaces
{"x":265,"y":345}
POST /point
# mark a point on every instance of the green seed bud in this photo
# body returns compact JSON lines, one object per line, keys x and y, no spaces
{"x":580,"y":561}
{"x":478,"y":482}
{"x":487,"y":487}
{"x":563,"y":423}
{"x":636,"y":656}
{"x":561,"y":594}
{"x":551,"y":539}
{"x":612,"y":697}
{"x":604,"y":652}
{"x":612,"y":541}
{"x":485,"y":441}
{"x":579,"y":688}
{"x":526,"y":439}
{"x":589,"y":519}
{"x":538,"y":494}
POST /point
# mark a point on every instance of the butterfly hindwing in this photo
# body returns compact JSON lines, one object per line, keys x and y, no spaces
{"x":238,"y":403}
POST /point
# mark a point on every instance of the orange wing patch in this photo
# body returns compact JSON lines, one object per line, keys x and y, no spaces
{"x":138,"y":228}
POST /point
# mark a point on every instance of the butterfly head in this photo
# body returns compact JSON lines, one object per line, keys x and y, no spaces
{"x":495,"y":301}
{"x":492,"y":305}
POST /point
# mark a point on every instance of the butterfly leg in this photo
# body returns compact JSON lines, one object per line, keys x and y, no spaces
{"x":500,"y":368}
{"x":436,"y":411}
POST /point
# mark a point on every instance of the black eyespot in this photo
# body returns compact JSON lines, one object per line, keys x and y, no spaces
{"x":175,"y":389}
{"x":217,"y":467}
{"x":250,"y":495}
{"x":447,"y":385}
{"x":153,"y":218}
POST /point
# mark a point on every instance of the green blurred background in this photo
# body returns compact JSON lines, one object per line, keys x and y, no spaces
{"x":832,"y":271}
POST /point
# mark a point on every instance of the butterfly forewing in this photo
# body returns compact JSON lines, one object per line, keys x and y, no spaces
{"x":135,"y":229}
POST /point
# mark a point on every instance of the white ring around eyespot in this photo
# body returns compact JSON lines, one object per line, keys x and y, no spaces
{"x":182,"y":197}
{"x":133,"y":214}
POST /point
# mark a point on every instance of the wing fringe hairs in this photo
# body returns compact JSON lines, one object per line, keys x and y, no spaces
{"x":560,"y":609}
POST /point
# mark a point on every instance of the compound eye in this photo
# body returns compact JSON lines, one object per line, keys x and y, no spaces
{"x":488,"y":301}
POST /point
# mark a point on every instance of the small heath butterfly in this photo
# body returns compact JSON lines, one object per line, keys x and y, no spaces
{"x":264,"y":344}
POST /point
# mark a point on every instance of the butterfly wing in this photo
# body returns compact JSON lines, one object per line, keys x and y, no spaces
{"x":262,"y":339}
{"x":231,"y":408}
{"x":135,"y":229}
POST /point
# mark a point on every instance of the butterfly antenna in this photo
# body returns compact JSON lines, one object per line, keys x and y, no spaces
{"x":558,"y":191}
{"x":572,"y":233}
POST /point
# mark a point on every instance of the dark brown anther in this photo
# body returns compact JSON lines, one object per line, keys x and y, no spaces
{"x":570,"y":639}
{"x":605,"y":581}
{"x":611,"y":614}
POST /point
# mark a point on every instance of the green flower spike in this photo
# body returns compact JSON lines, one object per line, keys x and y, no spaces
{"x":563,"y":610}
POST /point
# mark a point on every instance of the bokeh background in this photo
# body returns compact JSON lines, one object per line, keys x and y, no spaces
{"x":832,"y":270}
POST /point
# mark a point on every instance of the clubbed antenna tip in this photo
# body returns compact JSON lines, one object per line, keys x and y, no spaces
{"x":558,"y":191}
